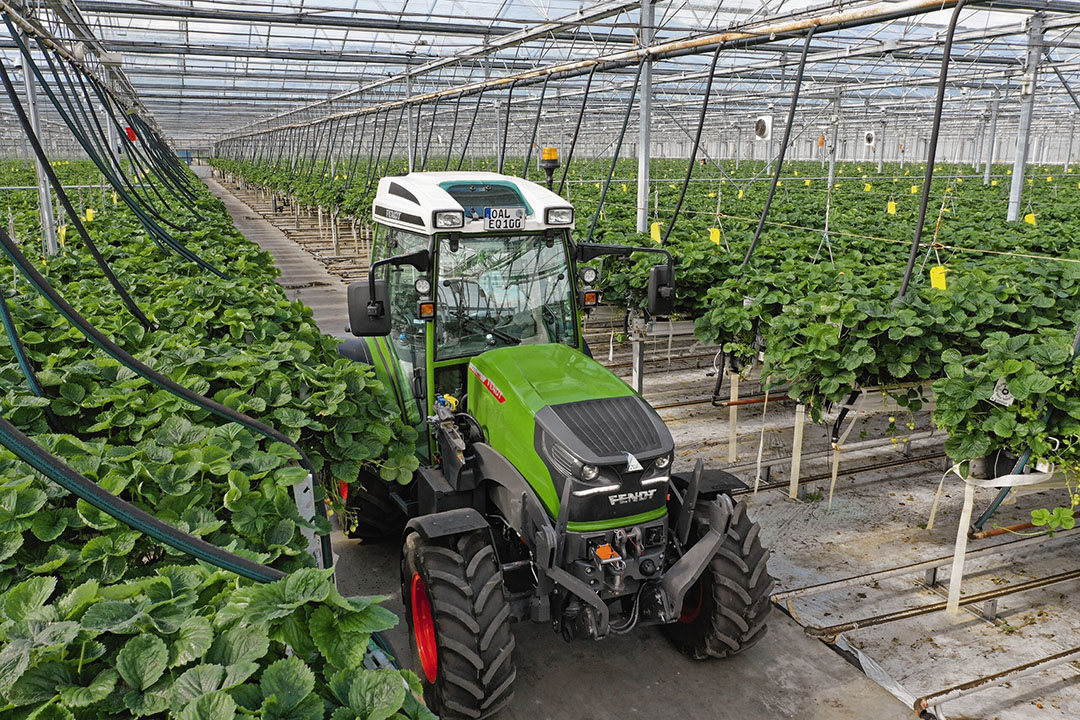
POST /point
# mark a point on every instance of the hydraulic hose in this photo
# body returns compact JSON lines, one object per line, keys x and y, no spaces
{"x":931,"y":154}
{"x":43,"y":161}
{"x":63,"y":475}
{"x":127,"y":360}
{"x":697,"y":141}
{"x":783,"y":147}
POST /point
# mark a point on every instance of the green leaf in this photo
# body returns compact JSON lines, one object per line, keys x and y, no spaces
{"x":238,"y":644}
{"x":192,"y":641}
{"x":110,"y":616}
{"x":28,"y":596}
{"x":196,"y":682}
{"x":142,"y":661}
{"x":290,"y":680}
{"x":376,"y":694}
{"x":217,"y":705}
{"x":99,"y":689}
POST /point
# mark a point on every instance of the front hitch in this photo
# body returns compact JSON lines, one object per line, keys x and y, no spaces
{"x":684,"y":573}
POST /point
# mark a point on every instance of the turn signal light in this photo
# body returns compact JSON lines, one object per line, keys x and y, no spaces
{"x":591,"y":298}
{"x":426,"y":310}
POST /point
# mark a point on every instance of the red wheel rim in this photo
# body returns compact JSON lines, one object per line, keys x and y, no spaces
{"x":424,"y":628}
{"x":691,"y":606}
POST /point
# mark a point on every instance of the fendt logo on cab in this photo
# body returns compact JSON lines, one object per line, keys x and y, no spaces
{"x":631,"y":497}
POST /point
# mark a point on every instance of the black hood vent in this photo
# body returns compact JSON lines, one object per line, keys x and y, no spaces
{"x":603,"y":430}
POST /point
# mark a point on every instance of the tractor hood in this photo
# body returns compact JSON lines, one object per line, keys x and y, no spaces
{"x":536,"y":402}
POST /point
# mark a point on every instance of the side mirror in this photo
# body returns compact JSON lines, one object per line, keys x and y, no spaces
{"x":368,"y":318}
{"x":661,"y":290}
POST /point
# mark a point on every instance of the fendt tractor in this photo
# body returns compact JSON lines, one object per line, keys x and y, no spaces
{"x":545,"y":490}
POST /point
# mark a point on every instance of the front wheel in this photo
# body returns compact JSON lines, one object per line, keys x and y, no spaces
{"x":726,"y":610}
{"x":459,"y":624}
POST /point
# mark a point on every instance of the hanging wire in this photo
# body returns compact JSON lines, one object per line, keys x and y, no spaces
{"x":536,"y":126}
{"x":618,"y":147}
{"x":506,"y":125}
{"x":577,"y":129}
{"x":693,"y":146}
{"x":468,"y":136}
{"x":783,"y":147}
{"x":932,"y":150}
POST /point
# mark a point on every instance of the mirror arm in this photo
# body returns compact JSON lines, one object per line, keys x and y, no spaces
{"x":588,"y":251}
{"x":421,"y":260}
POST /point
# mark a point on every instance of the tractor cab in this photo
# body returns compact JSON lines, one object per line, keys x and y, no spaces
{"x":545,"y":490}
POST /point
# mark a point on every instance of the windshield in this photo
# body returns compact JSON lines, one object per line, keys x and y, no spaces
{"x":503,"y":290}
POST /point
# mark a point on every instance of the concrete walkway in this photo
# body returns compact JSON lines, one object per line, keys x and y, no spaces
{"x":304,"y":278}
{"x":786,"y":675}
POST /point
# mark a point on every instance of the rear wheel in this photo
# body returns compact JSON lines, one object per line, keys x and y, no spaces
{"x":459,"y":624}
{"x":370,"y":512}
{"x":726,"y":610}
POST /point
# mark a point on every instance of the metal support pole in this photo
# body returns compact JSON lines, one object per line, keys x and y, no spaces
{"x":45,"y":207}
{"x":834,"y":140}
{"x":1027,"y":108}
{"x":991,"y":138}
{"x":409,"y":125}
{"x":738,"y":147}
{"x":879,"y":148}
{"x":1068,"y":149}
{"x":645,"y":115}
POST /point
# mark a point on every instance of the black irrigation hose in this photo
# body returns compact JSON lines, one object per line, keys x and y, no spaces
{"x":506,"y":124}
{"x":615,"y":154}
{"x":24,"y":361}
{"x":453,"y":131}
{"x":63,"y":475}
{"x":783,"y":148}
{"x":577,"y":129}
{"x":43,"y":161}
{"x":932,"y":150}
{"x":697,"y":140}
{"x":156,"y":233}
{"x":468,"y":137}
{"x":127,"y":360}
{"x":536,"y":126}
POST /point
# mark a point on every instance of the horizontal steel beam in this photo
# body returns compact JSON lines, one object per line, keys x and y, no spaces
{"x":321,"y":19}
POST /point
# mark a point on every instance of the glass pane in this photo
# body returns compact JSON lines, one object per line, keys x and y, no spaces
{"x":503,"y":290}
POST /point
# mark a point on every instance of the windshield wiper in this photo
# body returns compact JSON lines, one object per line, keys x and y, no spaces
{"x":501,"y":334}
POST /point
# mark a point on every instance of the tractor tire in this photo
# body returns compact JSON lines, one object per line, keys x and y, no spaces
{"x":726,"y":610}
{"x":459,"y":624}
{"x":370,"y":513}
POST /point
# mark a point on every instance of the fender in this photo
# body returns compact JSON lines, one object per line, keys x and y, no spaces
{"x":510,"y":492}
{"x":447,"y":523}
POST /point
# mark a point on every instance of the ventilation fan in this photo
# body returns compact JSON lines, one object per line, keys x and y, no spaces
{"x":763,"y":128}
{"x":869,"y":138}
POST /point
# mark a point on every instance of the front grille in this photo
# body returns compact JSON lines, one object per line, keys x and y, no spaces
{"x":609,"y":426}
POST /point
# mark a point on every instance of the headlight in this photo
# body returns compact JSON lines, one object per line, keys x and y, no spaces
{"x":559,"y":216}
{"x":447,"y":219}
{"x":590,"y":275}
{"x":663,"y":461}
{"x":589,"y":472}
{"x":422,"y":286}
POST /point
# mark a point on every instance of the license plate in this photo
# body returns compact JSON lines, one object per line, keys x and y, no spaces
{"x":504,"y":218}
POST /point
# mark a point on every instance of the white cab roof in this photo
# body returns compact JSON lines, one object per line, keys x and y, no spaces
{"x":411,"y":201}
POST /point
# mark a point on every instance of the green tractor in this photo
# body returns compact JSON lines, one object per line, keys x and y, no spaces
{"x":545,"y":490}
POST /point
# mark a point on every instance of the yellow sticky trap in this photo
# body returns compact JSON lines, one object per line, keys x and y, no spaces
{"x":740,"y":193}
{"x":714,"y":235}
{"x":62,"y":232}
{"x":993,"y":183}
{"x":89,"y":215}
{"x":891,"y":208}
{"x":624,"y":188}
{"x":712,"y":194}
{"x":601,"y":214}
{"x":867,"y":187}
{"x":1030,"y":181}
{"x":597,"y":186}
{"x":806,"y":183}
{"x":779,"y":183}
{"x":1049,"y":178}
{"x":796,"y":173}
{"x":907,"y":172}
{"x":114,"y":198}
{"x":937,"y":277}
{"x":1030,"y":218}
{"x":948,"y":189}
{"x":859,"y":168}
{"x":1009,"y":172}
{"x":672,"y":186}
{"x":959,"y":180}
{"x":654,"y":232}
{"x":914,"y":189}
